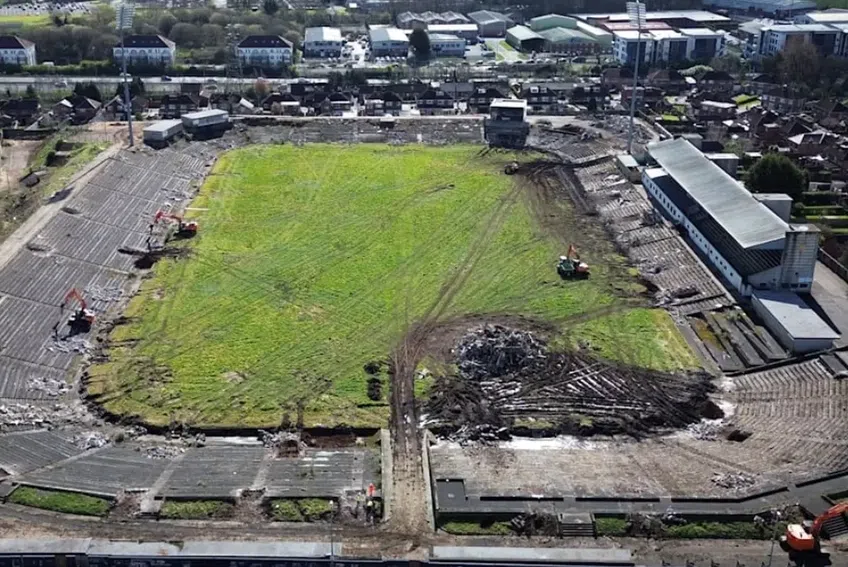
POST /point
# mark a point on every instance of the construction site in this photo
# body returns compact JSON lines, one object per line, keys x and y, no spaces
{"x":390,"y":333}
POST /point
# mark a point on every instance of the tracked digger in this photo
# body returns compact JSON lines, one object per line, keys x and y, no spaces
{"x":571,"y":267}
{"x":185,"y":229}
{"x":806,"y":538}
{"x":83,"y":318}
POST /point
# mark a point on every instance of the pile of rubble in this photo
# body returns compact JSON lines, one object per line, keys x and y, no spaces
{"x":106,"y":294}
{"x":23,"y":416}
{"x":50,"y":387}
{"x":163,"y":451}
{"x":90,"y":440}
{"x":497,"y":351}
{"x":506,"y":377}
{"x":733,"y":481}
{"x":284,"y":443}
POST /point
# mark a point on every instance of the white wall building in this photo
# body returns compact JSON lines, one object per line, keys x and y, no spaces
{"x":146,"y":50}
{"x":743,"y":238}
{"x":624,"y":46}
{"x":16,"y":51}
{"x":322,"y":42}
{"x":445,"y":45}
{"x":776,"y":38}
{"x":388,"y":42}
{"x":665,"y":45}
{"x":265,"y":51}
{"x":703,"y":43}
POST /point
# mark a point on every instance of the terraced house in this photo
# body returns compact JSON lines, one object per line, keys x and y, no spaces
{"x":146,"y":50}
{"x":16,"y":51}
{"x":269,"y":51}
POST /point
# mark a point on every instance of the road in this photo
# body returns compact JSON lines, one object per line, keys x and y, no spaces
{"x":502,"y":53}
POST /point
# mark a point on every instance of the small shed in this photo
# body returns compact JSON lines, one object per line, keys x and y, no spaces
{"x":794,"y":323}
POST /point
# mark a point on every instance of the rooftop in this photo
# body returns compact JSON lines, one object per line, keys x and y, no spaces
{"x":322,"y":34}
{"x":147,"y":41}
{"x":633,"y":35}
{"x":556,"y":35}
{"x":487,"y":17}
{"x":522,"y":33}
{"x":388,"y":34}
{"x":794,"y":315}
{"x":446,"y":28}
{"x":14,"y":42}
{"x":828,"y":16}
{"x":746,"y":220}
{"x":443,"y":37}
{"x":265,"y":41}
{"x":592,"y":30}
{"x":204,"y":114}
{"x":695,"y":15}
{"x":509,"y":103}
{"x":799,"y":28}
{"x":162,"y":125}
{"x":699,"y":32}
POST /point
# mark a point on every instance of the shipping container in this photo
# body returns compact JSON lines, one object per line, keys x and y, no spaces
{"x":205,"y":119}
{"x":163,"y":130}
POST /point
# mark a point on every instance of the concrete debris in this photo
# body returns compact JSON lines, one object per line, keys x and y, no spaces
{"x":90,"y":440}
{"x":497,"y":351}
{"x":50,"y":387}
{"x":76,"y":344}
{"x":105,"y":294}
{"x":734,"y":481}
{"x":164,"y":451}
{"x":706,"y":430}
{"x":285,"y":443}
{"x":48,"y":416}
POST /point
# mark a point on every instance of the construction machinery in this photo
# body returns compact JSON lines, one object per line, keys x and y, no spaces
{"x":83,"y":318}
{"x":570,"y":266}
{"x":806,"y":537}
{"x":184,"y":229}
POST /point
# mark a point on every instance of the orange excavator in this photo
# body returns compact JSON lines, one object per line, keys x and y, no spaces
{"x":570,"y":266}
{"x":806,"y":537}
{"x":184,"y":229}
{"x":83,"y":318}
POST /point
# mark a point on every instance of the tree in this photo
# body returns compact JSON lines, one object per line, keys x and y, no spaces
{"x":261,"y":88}
{"x":186,"y":35}
{"x":270,"y":7}
{"x":88,"y":90}
{"x":136,"y":88}
{"x":167,"y":23}
{"x":729,"y":63}
{"x":801,"y":64}
{"x":592,"y":105}
{"x":776,"y":173}
{"x":420,"y":42}
{"x":30,"y":92}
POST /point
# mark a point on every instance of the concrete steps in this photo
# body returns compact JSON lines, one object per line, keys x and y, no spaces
{"x":576,"y":525}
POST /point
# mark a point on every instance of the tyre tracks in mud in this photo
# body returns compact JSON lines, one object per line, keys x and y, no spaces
{"x":409,"y":502}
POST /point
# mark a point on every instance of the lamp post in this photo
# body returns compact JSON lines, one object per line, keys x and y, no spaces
{"x":636,"y":15}
{"x":124,"y":22}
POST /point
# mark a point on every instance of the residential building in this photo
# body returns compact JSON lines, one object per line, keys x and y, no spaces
{"x":468,"y":32}
{"x":523,"y":38}
{"x":388,"y":42}
{"x":714,"y":111}
{"x":16,"y":51}
{"x":267,"y":51}
{"x":281,"y":103}
{"x":668,"y":80}
{"x":717,"y":82}
{"x":146,"y":50}
{"x":481,"y":98}
{"x":776,"y":38}
{"x":490,"y":24}
{"x":435,"y":101}
{"x":78,"y":108}
{"x":174,"y":106}
{"x":382,"y":103}
{"x":443,"y":45}
{"x":783,"y":99}
{"x":762,"y":82}
{"x":22,"y":109}
{"x":322,"y":42}
{"x":628,"y":46}
{"x":750,"y":245}
{"x":541,"y":100}
{"x":830,"y":110}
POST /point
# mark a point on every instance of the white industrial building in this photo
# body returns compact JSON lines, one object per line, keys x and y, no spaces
{"x":777,"y":8}
{"x":490,"y":24}
{"x":322,"y":42}
{"x":16,"y":51}
{"x":388,"y":42}
{"x":445,"y":45}
{"x":468,"y":32}
{"x":748,"y":241}
{"x":146,"y":50}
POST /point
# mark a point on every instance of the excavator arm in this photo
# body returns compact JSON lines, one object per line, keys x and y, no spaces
{"x":74,"y":294}
{"x":838,"y":510}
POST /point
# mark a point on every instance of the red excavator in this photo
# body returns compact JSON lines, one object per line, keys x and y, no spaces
{"x":570,"y":265}
{"x":184,"y":229}
{"x":806,"y":537}
{"x":83,"y":318}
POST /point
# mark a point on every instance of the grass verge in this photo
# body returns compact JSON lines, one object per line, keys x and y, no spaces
{"x":617,"y":527}
{"x":196,"y":510}
{"x":476,"y":528}
{"x":313,"y":261}
{"x":301,"y":509}
{"x":59,"y":501}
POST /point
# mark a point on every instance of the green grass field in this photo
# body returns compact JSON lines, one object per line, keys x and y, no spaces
{"x":313,"y":261}
{"x":58,"y":501}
